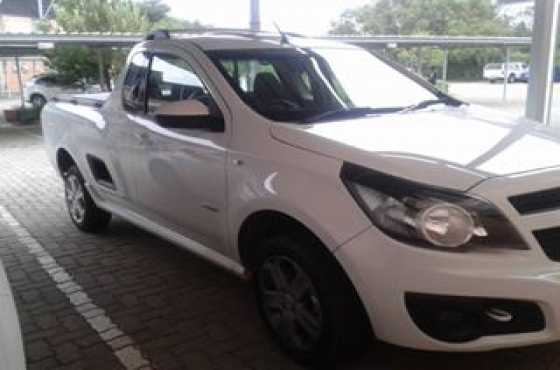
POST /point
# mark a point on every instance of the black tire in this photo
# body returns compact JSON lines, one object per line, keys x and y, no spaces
{"x":330,"y":302}
{"x":38,"y":101}
{"x":512,"y":79}
{"x":82,"y":210}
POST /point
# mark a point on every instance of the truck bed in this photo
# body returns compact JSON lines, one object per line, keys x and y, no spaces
{"x":96,"y":100}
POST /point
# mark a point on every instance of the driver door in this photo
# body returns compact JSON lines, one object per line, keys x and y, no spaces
{"x":181,"y":176}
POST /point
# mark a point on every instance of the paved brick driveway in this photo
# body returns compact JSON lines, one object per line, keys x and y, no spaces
{"x":182,"y":312}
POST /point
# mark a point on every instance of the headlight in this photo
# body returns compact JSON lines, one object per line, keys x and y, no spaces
{"x":426,"y":216}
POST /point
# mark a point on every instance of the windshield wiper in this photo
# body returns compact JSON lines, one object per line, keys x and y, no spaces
{"x":427,"y":103}
{"x":347,"y":113}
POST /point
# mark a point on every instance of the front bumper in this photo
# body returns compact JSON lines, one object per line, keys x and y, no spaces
{"x":384,"y":270}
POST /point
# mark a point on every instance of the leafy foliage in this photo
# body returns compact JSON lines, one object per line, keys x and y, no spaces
{"x":73,"y":64}
{"x":157,"y":13}
{"x":81,"y":63}
{"x":102,"y":64}
{"x":100,"y":16}
{"x":172,"y":23}
{"x":435,"y":17}
{"x":155,"y":10}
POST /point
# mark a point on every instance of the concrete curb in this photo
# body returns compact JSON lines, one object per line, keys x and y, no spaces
{"x":11,"y":344}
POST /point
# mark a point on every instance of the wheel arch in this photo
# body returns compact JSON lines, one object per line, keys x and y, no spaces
{"x":64,"y":160}
{"x":264,"y":223}
{"x":33,"y":94}
{"x":268,"y":223}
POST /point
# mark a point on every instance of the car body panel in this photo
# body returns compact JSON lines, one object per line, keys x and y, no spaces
{"x":198,"y":188}
{"x":496,"y":71}
{"x":525,"y":275}
{"x":38,"y":86}
{"x":447,"y":147}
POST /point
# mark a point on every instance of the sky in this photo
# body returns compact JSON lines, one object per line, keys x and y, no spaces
{"x":519,"y":12}
{"x":311,"y":17}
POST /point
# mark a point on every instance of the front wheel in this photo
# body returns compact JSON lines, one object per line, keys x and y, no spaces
{"x":512,"y":79}
{"x":38,"y":101}
{"x":308,"y":303}
{"x":81,"y":208}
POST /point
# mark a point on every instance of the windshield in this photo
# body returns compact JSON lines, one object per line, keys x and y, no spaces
{"x":296,"y":85}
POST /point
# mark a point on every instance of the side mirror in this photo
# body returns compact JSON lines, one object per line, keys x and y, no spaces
{"x":188,"y":114}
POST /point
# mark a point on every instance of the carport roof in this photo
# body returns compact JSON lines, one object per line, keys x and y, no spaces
{"x":32,"y":40}
{"x":12,"y":44}
{"x":25,"y":44}
{"x":440,"y":41}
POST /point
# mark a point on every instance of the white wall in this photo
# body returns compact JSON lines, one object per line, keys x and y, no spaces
{"x":9,"y":23}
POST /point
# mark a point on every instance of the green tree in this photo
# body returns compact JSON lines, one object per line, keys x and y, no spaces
{"x":157,"y":13}
{"x":432,"y":17}
{"x":98,"y":64}
{"x":94,"y":16}
{"x":73,"y":63}
{"x":172,"y":23}
{"x":155,"y":10}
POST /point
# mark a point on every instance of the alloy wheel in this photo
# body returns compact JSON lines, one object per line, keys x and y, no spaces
{"x":75,"y":198}
{"x":38,"y":102}
{"x":290,"y":302}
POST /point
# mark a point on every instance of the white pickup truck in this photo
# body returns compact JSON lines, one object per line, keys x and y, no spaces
{"x":360,"y":201}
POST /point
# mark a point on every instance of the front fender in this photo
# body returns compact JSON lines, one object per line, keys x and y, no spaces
{"x":311,"y":193}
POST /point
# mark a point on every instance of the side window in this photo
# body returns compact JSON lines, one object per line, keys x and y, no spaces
{"x":45,"y":81}
{"x":134,"y":86}
{"x":173,"y":80}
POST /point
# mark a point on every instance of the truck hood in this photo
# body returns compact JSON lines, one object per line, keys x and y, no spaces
{"x":450,"y":147}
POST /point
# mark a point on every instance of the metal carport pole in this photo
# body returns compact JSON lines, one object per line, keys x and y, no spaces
{"x":255,"y":26}
{"x":255,"y":22}
{"x":506,"y":73}
{"x":40,"y":8}
{"x":20,"y":82}
{"x":445,"y":64}
{"x":539,"y":93}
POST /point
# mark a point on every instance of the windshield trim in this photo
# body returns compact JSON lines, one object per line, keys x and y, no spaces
{"x":216,"y":55}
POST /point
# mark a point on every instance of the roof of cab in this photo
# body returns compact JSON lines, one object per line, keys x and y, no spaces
{"x":248,"y":40}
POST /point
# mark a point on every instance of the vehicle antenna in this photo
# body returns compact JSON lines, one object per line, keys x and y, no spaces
{"x":284,"y":36}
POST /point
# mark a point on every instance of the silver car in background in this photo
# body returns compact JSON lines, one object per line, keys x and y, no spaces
{"x":496,"y":71}
{"x":42,"y":88}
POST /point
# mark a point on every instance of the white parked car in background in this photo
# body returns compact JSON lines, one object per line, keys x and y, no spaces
{"x":43,"y":88}
{"x":360,"y":200}
{"x":496,"y":71}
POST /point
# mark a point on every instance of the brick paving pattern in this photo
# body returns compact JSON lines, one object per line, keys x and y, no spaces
{"x":123,"y":346}
{"x":182,"y":312}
